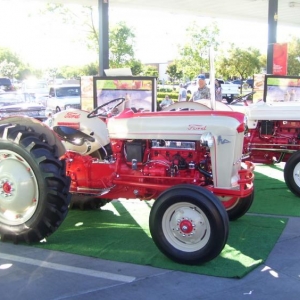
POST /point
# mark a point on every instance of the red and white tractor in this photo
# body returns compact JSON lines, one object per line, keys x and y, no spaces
{"x":190,"y":162}
{"x":272,"y":135}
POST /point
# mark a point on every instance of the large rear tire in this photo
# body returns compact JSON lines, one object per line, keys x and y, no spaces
{"x":189,"y":224}
{"x":34,"y":190}
{"x":292,"y":173}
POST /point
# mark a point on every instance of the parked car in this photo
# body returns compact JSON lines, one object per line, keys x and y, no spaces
{"x":63,"y":97}
{"x":14,"y":104}
{"x":237,"y":81}
{"x":249,"y":83}
{"x":6,"y":84}
{"x":34,"y":89}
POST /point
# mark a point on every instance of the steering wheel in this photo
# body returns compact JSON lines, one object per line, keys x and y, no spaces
{"x":105,"y":110}
{"x":242,"y":98}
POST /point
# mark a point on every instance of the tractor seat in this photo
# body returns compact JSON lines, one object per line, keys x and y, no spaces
{"x":72,"y":135}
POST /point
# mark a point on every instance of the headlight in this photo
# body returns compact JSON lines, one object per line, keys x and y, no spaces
{"x":42,"y":113}
{"x":207,"y":139}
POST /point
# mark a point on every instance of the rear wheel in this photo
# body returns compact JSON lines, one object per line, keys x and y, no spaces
{"x":292,"y":173}
{"x":34,"y":191}
{"x":189,"y":224}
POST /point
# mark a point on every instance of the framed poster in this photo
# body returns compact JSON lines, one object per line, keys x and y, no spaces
{"x":139,"y":92}
{"x":282,"y":88}
{"x":258,"y":87}
{"x":87,"y":93}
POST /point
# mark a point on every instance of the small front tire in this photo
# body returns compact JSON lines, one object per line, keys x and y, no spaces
{"x":292,"y":173}
{"x":189,"y":224}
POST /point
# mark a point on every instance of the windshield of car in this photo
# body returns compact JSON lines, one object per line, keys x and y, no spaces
{"x":67,"y":91}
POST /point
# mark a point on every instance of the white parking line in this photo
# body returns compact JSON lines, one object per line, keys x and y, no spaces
{"x":69,"y":269}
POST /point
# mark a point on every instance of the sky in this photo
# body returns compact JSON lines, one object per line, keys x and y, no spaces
{"x":44,"y":42}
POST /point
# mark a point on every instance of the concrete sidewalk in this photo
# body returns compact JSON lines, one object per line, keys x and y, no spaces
{"x":29,"y":273}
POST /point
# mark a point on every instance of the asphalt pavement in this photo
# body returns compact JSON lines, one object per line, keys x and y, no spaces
{"x":30,"y":273}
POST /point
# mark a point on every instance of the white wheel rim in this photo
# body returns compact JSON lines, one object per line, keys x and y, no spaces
{"x":296,"y":174}
{"x":186,"y":227}
{"x":18,"y":189}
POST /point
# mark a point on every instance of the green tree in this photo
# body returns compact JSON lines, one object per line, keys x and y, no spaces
{"x":149,"y":70}
{"x":263,"y":62}
{"x":136,"y":67}
{"x":13,"y":66}
{"x":240,"y":63}
{"x":121,"y":45}
{"x":8,"y":69}
{"x":173,"y":72}
{"x":71,"y":72}
{"x":91,"y":69}
{"x":83,"y":18}
{"x":9,"y":56}
{"x":52,"y":73}
{"x":294,"y":57}
{"x":194,"y":55}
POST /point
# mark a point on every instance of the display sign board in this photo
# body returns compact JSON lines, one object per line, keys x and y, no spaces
{"x":139,"y":92}
{"x":281,"y":88}
{"x":258,"y":87}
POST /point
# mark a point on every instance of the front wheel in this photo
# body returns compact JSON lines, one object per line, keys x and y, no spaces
{"x":34,"y":190}
{"x":292,"y":173}
{"x":189,"y":224}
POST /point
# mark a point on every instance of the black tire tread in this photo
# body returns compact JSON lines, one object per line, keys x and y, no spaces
{"x":53,"y":184}
{"x":288,"y":173}
{"x":210,"y":204}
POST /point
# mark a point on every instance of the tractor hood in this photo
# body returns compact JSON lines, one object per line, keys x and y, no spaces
{"x":184,"y":125}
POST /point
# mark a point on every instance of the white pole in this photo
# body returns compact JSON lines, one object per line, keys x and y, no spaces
{"x":212,"y":78}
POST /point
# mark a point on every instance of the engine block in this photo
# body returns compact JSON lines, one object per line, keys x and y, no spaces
{"x":272,"y":141}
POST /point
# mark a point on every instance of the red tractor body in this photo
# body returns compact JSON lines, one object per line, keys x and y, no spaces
{"x":189,"y":162}
{"x":273,"y":136}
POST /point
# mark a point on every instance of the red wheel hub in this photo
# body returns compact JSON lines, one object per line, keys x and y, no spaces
{"x":6,"y":188}
{"x":186,"y":226}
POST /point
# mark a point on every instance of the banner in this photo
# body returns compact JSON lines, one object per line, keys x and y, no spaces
{"x":280,"y":59}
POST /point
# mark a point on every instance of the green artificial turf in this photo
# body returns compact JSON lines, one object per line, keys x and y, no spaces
{"x":119,"y":232}
{"x":271,"y":193}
